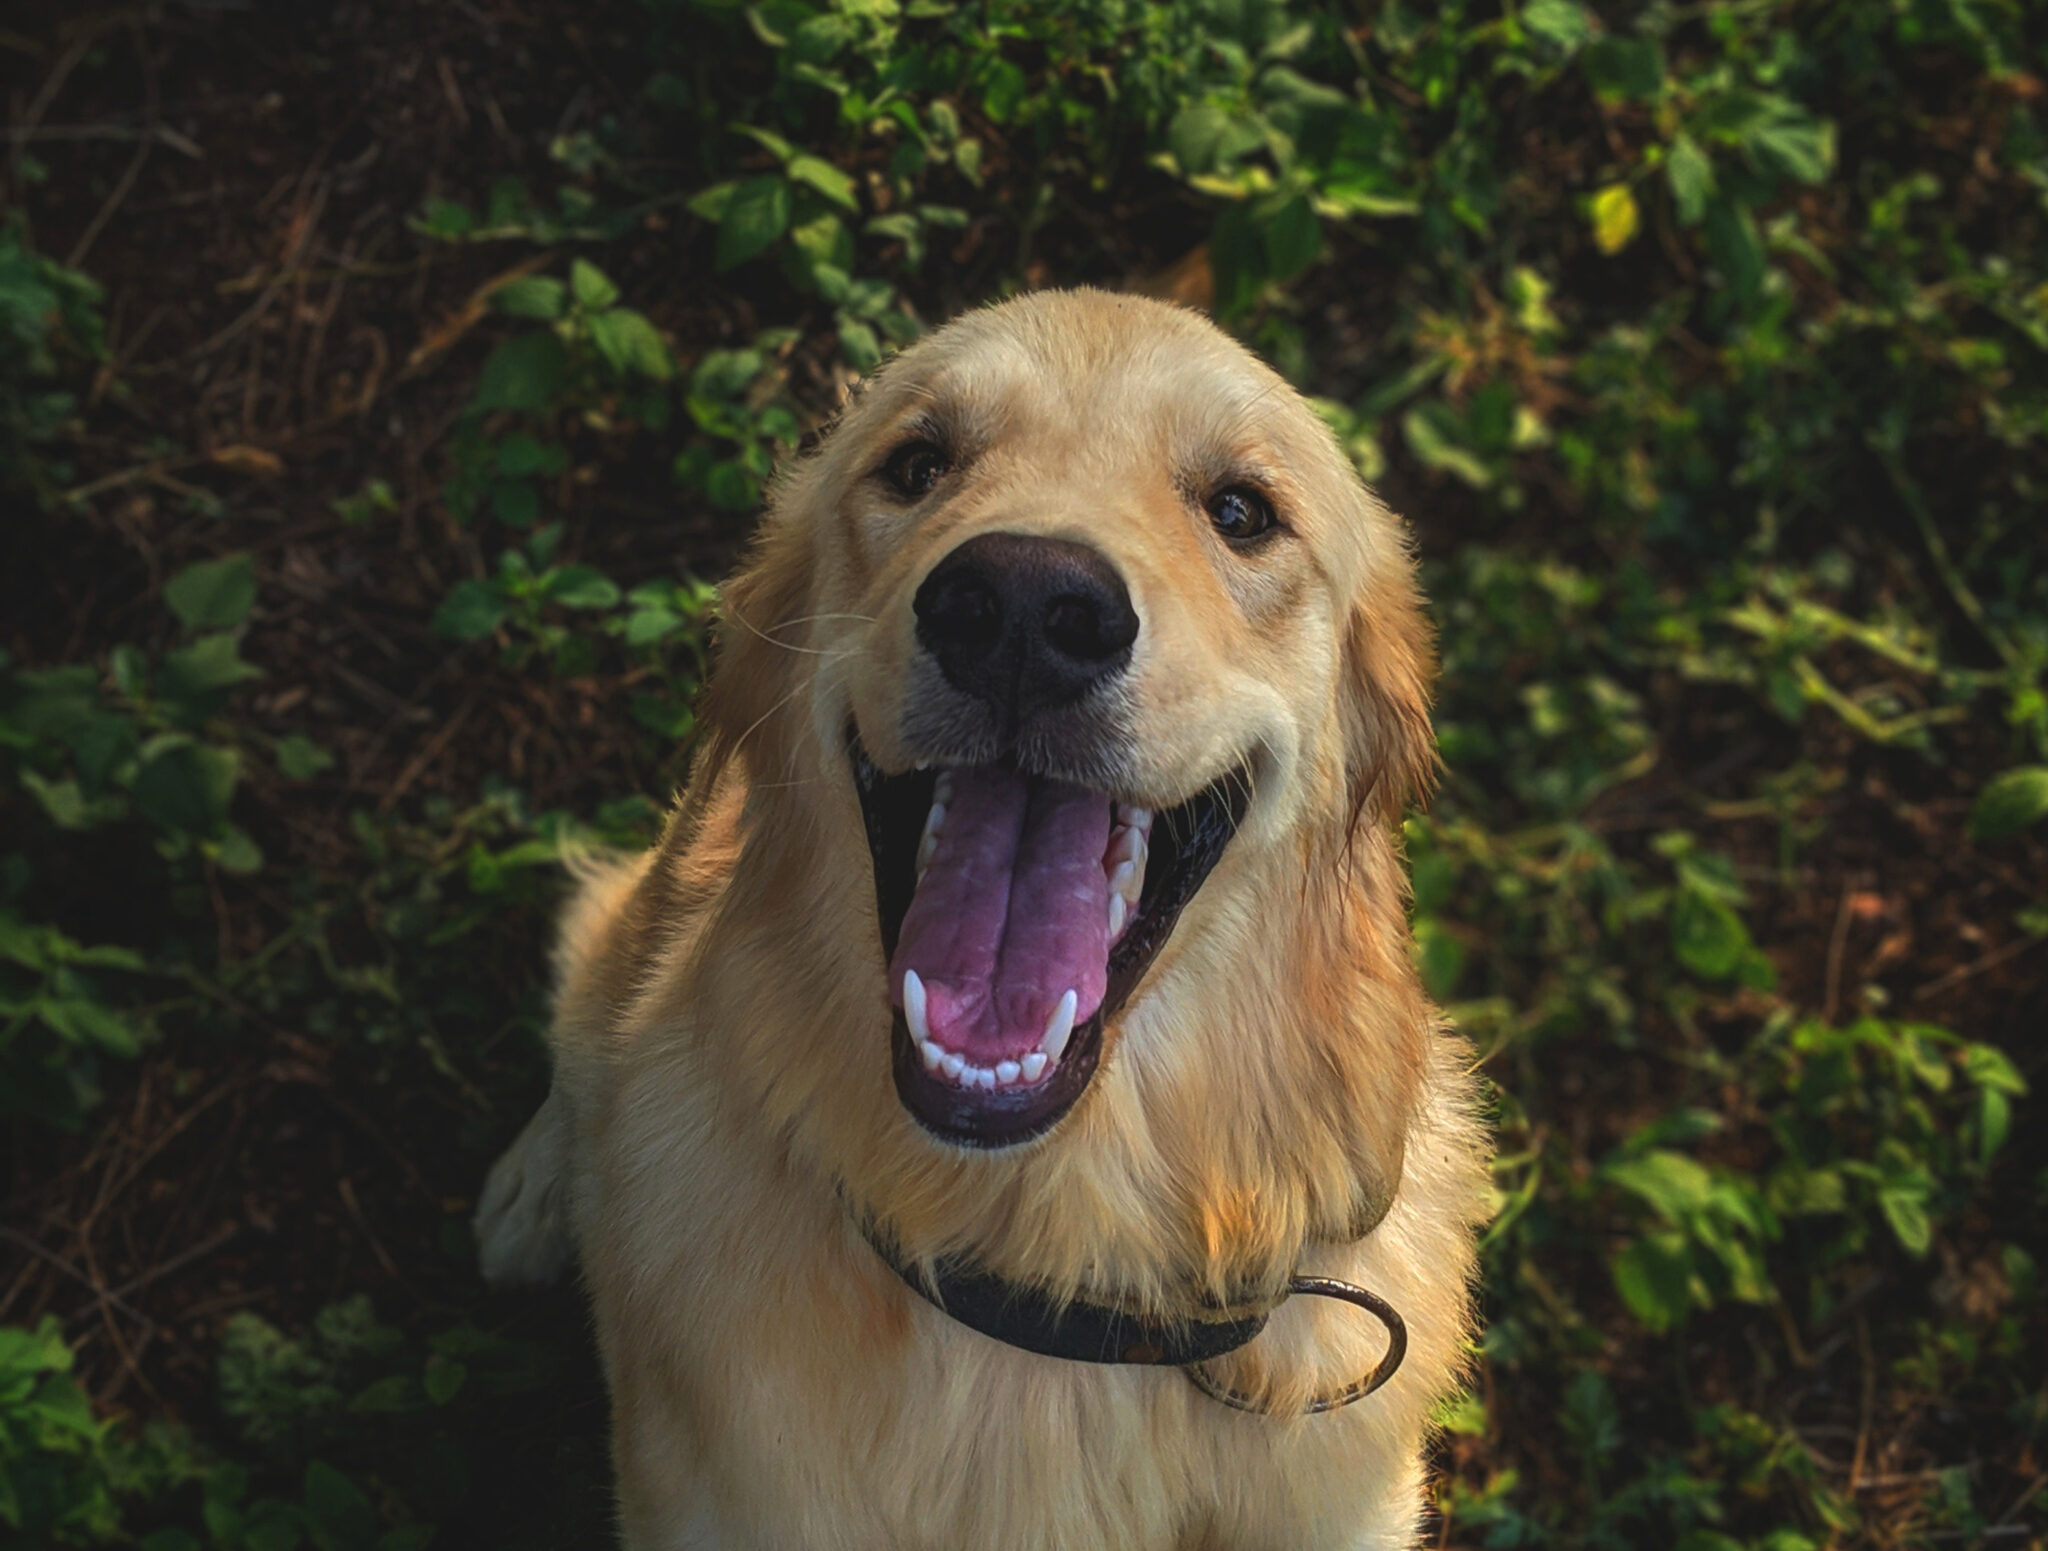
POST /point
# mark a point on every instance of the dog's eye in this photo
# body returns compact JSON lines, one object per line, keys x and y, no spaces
{"x":1241,"y":515}
{"x":914,"y":468}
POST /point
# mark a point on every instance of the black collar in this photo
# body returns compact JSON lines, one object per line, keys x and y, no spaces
{"x":1031,"y":1319}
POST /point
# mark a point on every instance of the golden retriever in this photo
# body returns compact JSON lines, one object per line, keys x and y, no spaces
{"x":1031,"y":939}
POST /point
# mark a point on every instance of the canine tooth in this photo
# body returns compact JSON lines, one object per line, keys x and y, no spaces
{"x":1059,"y":1026}
{"x":1034,"y":1065}
{"x":1116,"y":915}
{"x":935,"y":818}
{"x":927,"y":848}
{"x":953,"y":1065}
{"x":1126,"y":845}
{"x":1007,"y":1071}
{"x":1124,"y":881}
{"x":914,"y":1006}
{"x":942,"y":788}
{"x":933,"y":1055}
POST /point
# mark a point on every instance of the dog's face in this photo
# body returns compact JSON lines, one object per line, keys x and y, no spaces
{"x":1119,"y":657}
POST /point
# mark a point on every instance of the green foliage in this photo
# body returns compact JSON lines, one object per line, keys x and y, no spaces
{"x":66,"y":1476}
{"x":48,"y":316}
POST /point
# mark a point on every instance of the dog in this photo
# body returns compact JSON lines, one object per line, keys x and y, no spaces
{"x":1019,"y":1003}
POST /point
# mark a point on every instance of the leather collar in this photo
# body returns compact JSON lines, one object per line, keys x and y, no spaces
{"x":1028,"y":1318}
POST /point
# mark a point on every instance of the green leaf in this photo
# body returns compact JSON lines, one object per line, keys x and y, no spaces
{"x":443,"y":1379}
{"x":337,"y":1513}
{"x":1195,"y":136}
{"x":515,"y":503}
{"x":1691,"y":176}
{"x":825,"y":178}
{"x":582,"y":587}
{"x":1675,"y":1185}
{"x":1624,"y":67}
{"x":1563,"y":23}
{"x":85,"y":1023}
{"x":2010,"y":802}
{"x":1002,"y":90}
{"x":1795,"y":142}
{"x":1905,"y":1208}
{"x":631,"y":344}
{"x":237,"y":853}
{"x":525,"y":372}
{"x":1736,"y":248}
{"x":186,"y":787}
{"x":520,"y":455}
{"x":1291,"y":237}
{"x":539,"y":297}
{"x":195,"y":681}
{"x":1432,"y":431}
{"x":857,"y":343}
{"x":590,"y":285}
{"x":755,"y":215}
{"x":214,"y":594}
{"x":471,"y":610}
{"x":1654,"y":1277}
{"x":1708,"y":937}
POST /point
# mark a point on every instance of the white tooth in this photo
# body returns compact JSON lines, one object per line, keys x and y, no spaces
{"x":1116,"y":915}
{"x":953,"y":1065}
{"x":924,"y":764}
{"x":1124,"y":880}
{"x":927,"y":848}
{"x":913,"y":1006}
{"x":933,"y":1055}
{"x":1059,"y":1026}
{"x":934,"y":819}
{"x":942,"y":788}
{"x":1138,"y":818}
{"x":1006,"y":1071}
{"x":1124,"y":846}
{"x":1034,"y":1065}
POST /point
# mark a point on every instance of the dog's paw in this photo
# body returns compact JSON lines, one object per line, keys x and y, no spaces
{"x":521,"y":1224}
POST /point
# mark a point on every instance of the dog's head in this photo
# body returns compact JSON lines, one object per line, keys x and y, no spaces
{"x":1083,"y":621}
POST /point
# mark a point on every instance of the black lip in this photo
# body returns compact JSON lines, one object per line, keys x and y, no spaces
{"x":1187,"y":841}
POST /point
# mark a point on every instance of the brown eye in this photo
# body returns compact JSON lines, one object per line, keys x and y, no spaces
{"x":1241,"y":515}
{"x":914,"y":468}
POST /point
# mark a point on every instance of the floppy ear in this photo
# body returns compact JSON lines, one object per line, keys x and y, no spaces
{"x":1389,"y":670}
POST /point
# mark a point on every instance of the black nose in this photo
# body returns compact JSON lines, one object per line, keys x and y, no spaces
{"x":1025,"y":624}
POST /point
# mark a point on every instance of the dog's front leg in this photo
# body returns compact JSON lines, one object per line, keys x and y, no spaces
{"x":522,"y":1223}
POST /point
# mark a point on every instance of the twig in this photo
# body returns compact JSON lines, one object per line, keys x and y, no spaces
{"x":177,"y":1262}
{"x":1991,"y":960}
{"x":102,"y":1295}
{"x":1937,"y":549}
{"x":429,"y":751}
{"x":53,"y":83}
{"x":1838,"y":942}
{"x":126,"y":183}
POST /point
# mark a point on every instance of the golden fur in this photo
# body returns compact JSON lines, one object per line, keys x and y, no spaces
{"x":1277,"y":1097}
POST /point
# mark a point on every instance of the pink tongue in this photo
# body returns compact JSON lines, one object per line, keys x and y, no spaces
{"x":1011,"y":915}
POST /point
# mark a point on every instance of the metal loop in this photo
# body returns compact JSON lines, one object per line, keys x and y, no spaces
{"x":1345,"y":1292}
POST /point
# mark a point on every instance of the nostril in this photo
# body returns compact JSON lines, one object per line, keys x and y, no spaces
{"x":960,"y":610}
{"x":1088,"y":629}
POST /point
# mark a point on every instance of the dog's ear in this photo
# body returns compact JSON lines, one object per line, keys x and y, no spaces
{"x":1389,"y":670}
{"x":757,"y":652}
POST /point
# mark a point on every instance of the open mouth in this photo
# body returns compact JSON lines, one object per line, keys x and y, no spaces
{"x":1019,"y":913}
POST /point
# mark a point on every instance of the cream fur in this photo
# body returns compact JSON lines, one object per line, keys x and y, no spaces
{"x":1277,"y":1087}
